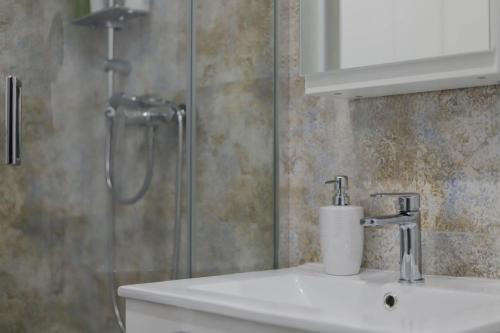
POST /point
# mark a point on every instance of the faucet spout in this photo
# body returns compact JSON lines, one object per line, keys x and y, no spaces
{"x":408,"y":220}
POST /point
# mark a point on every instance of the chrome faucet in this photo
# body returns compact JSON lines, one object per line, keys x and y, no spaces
{"x":408,"y":220}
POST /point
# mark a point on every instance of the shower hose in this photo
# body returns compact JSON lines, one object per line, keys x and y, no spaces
{"x":151,"y":138}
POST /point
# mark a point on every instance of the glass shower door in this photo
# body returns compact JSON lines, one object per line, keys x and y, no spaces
{"x":67,"y":242}
{"x":233,"y":180}
{"x":58,"y":264}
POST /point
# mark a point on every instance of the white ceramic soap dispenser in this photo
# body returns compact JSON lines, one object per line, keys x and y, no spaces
{"x":341,"y":232}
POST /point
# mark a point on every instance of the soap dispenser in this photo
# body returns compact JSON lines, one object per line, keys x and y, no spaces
{"x":341,"y":232}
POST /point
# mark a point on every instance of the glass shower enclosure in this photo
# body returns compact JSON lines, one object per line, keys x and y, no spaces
{"x":148,"y":152}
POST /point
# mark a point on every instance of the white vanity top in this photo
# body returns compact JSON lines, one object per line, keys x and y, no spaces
{"x":305,"y":298}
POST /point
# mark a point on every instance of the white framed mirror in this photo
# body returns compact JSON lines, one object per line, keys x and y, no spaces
{"x":340,"y":36}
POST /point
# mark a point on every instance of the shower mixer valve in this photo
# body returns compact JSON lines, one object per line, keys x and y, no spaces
{"x":149,"y":112}
{"x":143,"y":110}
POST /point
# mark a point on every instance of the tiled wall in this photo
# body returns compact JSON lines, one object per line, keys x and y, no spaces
{"x":444,"y":145}
{"x":233,"y":205}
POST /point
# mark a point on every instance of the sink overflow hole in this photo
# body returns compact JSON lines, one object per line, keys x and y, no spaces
{"x":390,"y":301}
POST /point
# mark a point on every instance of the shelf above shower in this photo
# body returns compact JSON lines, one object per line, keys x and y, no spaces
{"x":115,"y":15}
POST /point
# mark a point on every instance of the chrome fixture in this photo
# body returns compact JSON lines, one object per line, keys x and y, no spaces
{"x":13,"y":107}
{"x":341,"y":197}
{"x":408,"y":220}
{"x":148,"y":112}
{"x":118,"y":65}
{"x":142,"y":102}
{"x":144,"y":111}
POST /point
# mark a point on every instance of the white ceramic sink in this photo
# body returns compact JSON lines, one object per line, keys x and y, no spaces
{"x":304,"y":299}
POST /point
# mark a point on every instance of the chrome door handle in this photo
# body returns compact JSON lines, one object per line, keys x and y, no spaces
{"x":13,"y":107}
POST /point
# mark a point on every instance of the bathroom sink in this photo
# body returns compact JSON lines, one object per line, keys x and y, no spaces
{"x":304,"y":299}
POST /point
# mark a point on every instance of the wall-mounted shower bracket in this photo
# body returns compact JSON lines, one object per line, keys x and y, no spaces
{"x":114,"y":14}
{"x":119,"y":66}
{"x":112,"y":18}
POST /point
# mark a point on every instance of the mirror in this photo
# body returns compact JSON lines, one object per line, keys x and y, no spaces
{"x":347,"y":34}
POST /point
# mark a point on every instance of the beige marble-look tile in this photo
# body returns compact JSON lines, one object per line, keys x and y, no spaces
{"x":233,"y":231}
{"x":442,"y":144}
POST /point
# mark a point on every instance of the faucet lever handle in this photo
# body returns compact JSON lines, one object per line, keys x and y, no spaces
{"x":408,"y":202}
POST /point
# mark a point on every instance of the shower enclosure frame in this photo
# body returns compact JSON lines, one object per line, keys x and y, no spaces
{"x":190,"y":128}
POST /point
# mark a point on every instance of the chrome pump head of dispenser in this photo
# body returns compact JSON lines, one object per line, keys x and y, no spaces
{"x":341,"y":198}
